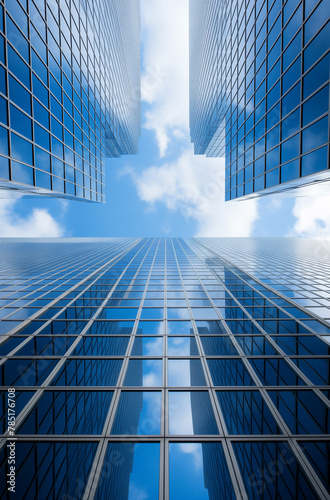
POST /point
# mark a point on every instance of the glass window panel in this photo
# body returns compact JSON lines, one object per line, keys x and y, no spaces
{"x":180,"y":328}
{"x":89,"y":372}
{"x":275,"y":372}
{"x":191,"y":413}
{"x":147,"y":346}
{"x":21,"y":149}
{"x":246,"y":412}
{"x":317,"y":47}
{"x":314,"y":162}
{"x":185,"y":372}
{"x":152,"y":313}
{"x":3,"y":141}
{"x":290,"y":148}
{"x":144,"y":373}
{"x":211,"y":328}
{"x":70,"y":463}
{"x":315,"y":135}
{"x":130,"y":472}
{"x":21,"y":399}
{"x":318,"y":453}
{"x":25,"y":371}
{"x":256,"y":346}
{"x":19,"y":95}
{"x":101,"y":346}
{"x":68,"y":413}
{"x":45,"y":346}
{"x":182,"y":346}
{"x":218,"y":346}
{"x":269,"y":468}
{"x":229,"y":372}
{"x":150,"y":328}
{"x":199,"y":471}
{"x":138,"y":413}
{"x":316,"y":105}
{"x":316,"y":76}
{"x":316,"y":369}
{"x":303,"y":411}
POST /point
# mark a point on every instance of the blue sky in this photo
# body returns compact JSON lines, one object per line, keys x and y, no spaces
{"x":165,"y":190}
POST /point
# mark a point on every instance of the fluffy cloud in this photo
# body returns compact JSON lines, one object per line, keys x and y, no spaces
{"x":313,"y":214}
{"x":39,"y":223}
{"x":165,"y":75}
{"x":195,"y":186}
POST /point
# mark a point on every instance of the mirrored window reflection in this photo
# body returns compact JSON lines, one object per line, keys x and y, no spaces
{"x":256,"y":346}
{"x":179,"y":328}
{"x":147,"y":346}
{"x":182,"y":346}
{"x":89,"y":372}
{"x":199,"y":471}
{"x":21,"y":399}
{"x":53,"y":469}
{"x":111,"y":328}
{"x":191,"y":413}
{"x":211,"y":328}
{"x":270,"y":468}
{"x":218,"y":346}
{"x":144,"y":373}
{"x":101,"y":346}
{"x":246,"y":412}
{"x":318,"y":453}
{"x":302,"y":345}
{"x":275,"y":372}
{"x":229,"y":372}
{"x":138,"y":413}
{"x":150,"y":328}
{"x":63,"y":412}
{"x":185,"y":372}
{"x":130,"y":471}
{"x":302,"y":411}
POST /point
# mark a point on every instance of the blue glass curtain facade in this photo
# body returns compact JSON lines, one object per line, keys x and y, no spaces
{"x":166,"y":368}
{"x":259,"y":91}
{"x":69,"y":93}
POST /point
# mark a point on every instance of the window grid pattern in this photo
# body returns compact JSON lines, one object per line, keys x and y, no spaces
{"x":69,"y":93}
{"x":259,"y":78}
{"x":170,"y":346}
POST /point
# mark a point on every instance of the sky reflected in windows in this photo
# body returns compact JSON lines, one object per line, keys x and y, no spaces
{"x":138,"y":413}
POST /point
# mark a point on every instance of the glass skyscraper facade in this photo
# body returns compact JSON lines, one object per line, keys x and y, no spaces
{"x":259,"y":91}
{"x":165,"y":368}
{"x":69,"y":93}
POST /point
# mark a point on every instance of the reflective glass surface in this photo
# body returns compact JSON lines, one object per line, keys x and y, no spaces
{"x":127,"y":397}
{"x":190,"y":472}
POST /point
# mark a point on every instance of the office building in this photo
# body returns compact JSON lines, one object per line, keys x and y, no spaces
{"x":166,"y":368}
{"x":69,"y":93}
{"x":259,"y":92}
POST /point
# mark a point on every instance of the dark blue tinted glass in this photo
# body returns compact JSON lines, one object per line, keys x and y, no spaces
{"x":111,"y":328}
{"x":314,"y":161}
{"x":53,"y":469}
{"x":302,"y":411}
{"x":246,"y":412}
{"x":20,"y":400}
{"x":66,"y":412}
{"x":25,"y":371}
{"x":210,"y":328}
{"x":229,"y":372}
{"x":191,"y":413}
{"x":89,"y":372}
{"x":317,"y":370}
{"x":256,"y":346}
{"x":129,"y":471}
{"x":275,"y":372}
{"x":101,"y":346}
{"x":318,"y":453}
{"x":270,"y":468}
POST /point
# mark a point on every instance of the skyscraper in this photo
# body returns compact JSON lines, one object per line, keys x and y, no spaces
{"x":69,"y":93}
{"x":259,"y":91}
{"x":165,"y":368}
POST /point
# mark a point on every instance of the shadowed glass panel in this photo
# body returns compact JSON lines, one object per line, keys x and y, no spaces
{"x":63,"y":412}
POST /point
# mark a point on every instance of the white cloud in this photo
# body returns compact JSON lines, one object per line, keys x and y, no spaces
{"x":195,"y":186}
{"x":165,"y":76}
{"x":39,"y":223}
{"x":313,"y":216}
